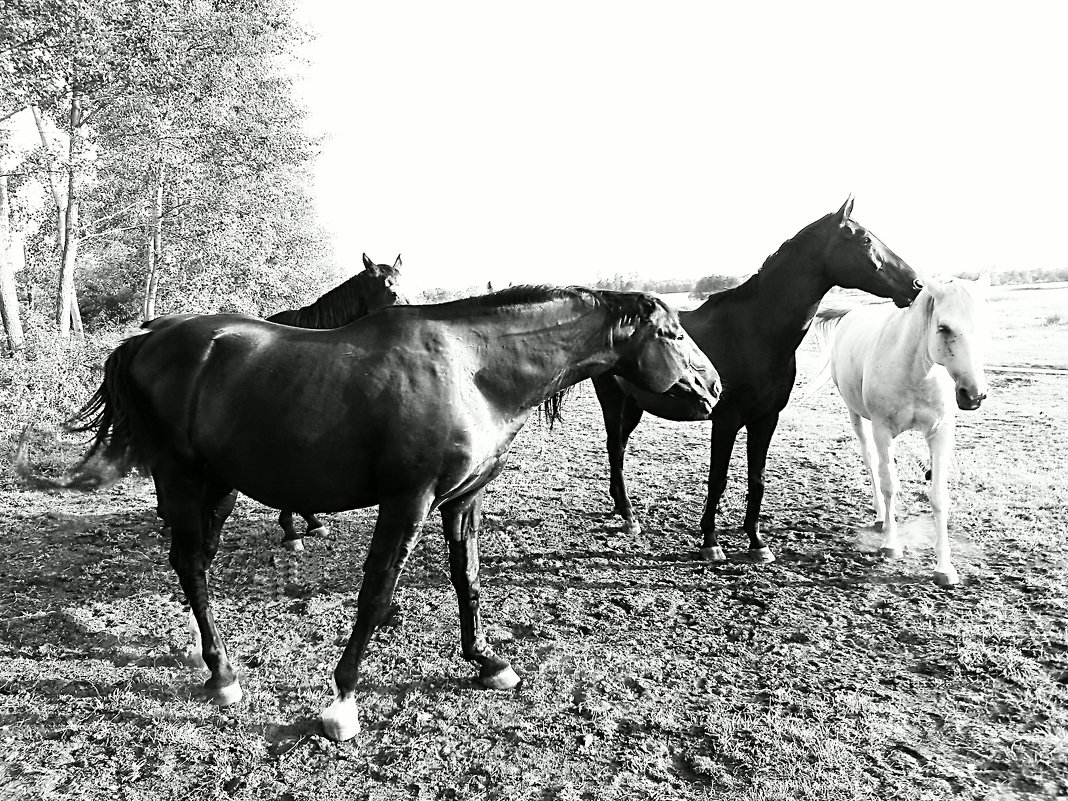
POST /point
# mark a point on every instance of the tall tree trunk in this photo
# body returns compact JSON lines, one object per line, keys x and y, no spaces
{"x":154,"y":247}
{"x":65,"y":300}
{"x":53,"y":181}
{"x":9,"y":305}
{"x":76,"y":314}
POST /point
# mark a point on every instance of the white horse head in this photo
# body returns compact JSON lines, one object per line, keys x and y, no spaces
{"x":958,"y":328}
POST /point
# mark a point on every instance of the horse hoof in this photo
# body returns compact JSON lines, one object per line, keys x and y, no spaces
{"x":713,"y":554}
{"x":340,"y":720}
{"x":226,"y":696}
{"x":632,"y":527}
{"x":759,"y":555}
{"x":891,"y":553}
{"x":193,"y":658}
{"x":322,"y":531}
{"x":504,"y":679}
{"x":948,"y":578}
{"x":293,"y":545}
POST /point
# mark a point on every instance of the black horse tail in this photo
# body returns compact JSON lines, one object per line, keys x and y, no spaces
{"x":823,"y":324}
{"x":122,"y":436}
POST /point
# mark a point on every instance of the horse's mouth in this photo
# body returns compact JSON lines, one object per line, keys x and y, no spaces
{"x":700,"y":397}
{"x":969,"y":403}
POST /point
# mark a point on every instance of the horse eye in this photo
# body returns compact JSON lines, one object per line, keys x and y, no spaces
{"x":866,"y":240}
{"x":944,"y":329}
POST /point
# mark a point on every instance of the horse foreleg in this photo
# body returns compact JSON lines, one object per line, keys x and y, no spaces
{"x":888,"y":485}
{"x":724,"y":434}
{"x":758,"y":441}
{"x":862,"y":429}
{"x":940,"y":441}
{"x":461,"y":521}
{"x":395,"y":535}
{"x":291,"y":540}
{"x":621,"y":415}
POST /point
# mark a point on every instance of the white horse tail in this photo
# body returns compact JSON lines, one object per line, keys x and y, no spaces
{"x":823,"y":325}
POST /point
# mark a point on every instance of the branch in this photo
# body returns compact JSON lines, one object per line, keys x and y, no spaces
{"x":11,"y":114}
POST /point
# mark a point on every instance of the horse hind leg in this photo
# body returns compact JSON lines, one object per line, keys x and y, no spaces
{"x":888,"y":485}
{"x":461,"y":520}
{"x":395,"y":535}
{"x":862,"y":428}
{"x":758,"y":442}
{"x":621,"y":416}
{"x":196,"y":511}
{"x":940,"y":441}
{"x":724,"y":434}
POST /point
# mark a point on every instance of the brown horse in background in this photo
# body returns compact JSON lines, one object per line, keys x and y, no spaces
{"x":371,"y":289}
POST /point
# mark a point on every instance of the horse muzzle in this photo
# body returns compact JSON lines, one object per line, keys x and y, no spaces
{"x":969,"y":401}
{"x":699,"y":391}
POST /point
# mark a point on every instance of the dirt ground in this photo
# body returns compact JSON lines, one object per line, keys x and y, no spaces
{"x":828,"y":674}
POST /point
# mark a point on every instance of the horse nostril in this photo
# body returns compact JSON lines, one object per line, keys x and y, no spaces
{"x":917,"y":284}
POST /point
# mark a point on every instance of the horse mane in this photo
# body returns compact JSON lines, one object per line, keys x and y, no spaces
{"x":751,"y":285}
{"x":339,"y":306}
{"x":623,"y":308}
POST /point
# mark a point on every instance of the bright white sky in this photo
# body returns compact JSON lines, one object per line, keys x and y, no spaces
{"x":559,"y":142}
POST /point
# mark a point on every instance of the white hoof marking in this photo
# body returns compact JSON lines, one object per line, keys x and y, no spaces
{"x":505,"y":679}
{"x":946,"y":578}
{"x":341,"y":720}
{"x":293,"y":545}
{"x":891,"y":553}
{"x":761,"y":555}
{"x":714,"y":554}
{"x":228,"y":695}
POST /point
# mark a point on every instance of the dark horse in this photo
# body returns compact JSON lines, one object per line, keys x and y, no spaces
{"x":374,"y":288}
{"x":751,"y":334}
{"x":422,"y":407}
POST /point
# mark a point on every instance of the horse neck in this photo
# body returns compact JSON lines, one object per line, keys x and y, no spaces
{"x":911,"y":341}
{"x":533,"y":353}
{"x":788,"y":290}
{"x":340,"y":306}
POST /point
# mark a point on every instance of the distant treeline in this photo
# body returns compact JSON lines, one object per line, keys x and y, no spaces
{"x":1044,"y":275}
{"x":710,"y":284}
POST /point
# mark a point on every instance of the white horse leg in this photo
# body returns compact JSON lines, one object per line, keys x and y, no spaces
{"x":861,"y":428}
{"x":940,"y":441}
{"x":884,"y":447}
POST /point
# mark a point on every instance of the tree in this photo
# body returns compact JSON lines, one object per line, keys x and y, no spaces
{"x":9,"y":308}
{"x":184,"y":150}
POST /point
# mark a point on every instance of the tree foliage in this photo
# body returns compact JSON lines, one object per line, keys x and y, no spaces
{"x":195,"y":162}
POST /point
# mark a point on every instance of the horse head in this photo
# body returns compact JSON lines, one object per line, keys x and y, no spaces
{"x":380,"y":284}
{"x":659,"y":356}
{"x":856,"y":259}
{"x":957,"y":330}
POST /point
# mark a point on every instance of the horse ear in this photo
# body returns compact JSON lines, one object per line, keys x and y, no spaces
{"x":845,"y":211}
{"x":371,"y":267}
{"x":397,"y":263}
{"x":934,"y":286}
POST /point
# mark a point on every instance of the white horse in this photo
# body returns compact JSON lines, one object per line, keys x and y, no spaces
{"x":911,"y":369}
